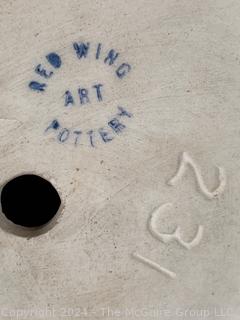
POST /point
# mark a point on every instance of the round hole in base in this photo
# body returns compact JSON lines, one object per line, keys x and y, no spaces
{"x":29,"y":201}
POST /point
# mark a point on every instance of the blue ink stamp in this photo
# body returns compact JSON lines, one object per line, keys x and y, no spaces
{"x":81,"y":49}
{"x":54,"y":59}
{"x":37,"y":86}
{"x":68,"y":98}
{"x":82,"y":97}
{"x":43,"y":72}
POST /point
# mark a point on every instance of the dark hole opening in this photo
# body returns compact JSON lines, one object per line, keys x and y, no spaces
{"x":29,"y":200}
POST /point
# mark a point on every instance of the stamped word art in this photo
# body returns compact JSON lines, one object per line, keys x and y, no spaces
{"x":83,"y":96}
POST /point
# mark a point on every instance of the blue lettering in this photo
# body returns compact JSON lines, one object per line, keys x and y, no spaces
{"x":78,"y":133}
{"x":124,"y":112}
{"x":98,"y":91}
{"x":54,"y":59}
{"x":81,"y":49}
{"x":98,"y":50}
{"x":104,"y":135}
{"x":111,"y":57}
{"x":54,"y":125}
{"x":63,"y":135}
{"x":83,"y":95}
{"x":116,"y":125}
{"x":68,"y":98}
{"x":42,"y":72}
{"x":123,"y":70}
{"x":90,"y":133}
{"x":34,"y":85}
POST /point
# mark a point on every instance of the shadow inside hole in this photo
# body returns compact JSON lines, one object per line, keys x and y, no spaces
{"x":29,"y":202}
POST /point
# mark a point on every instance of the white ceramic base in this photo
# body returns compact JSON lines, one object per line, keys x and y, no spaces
{"x":115,"y":251}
